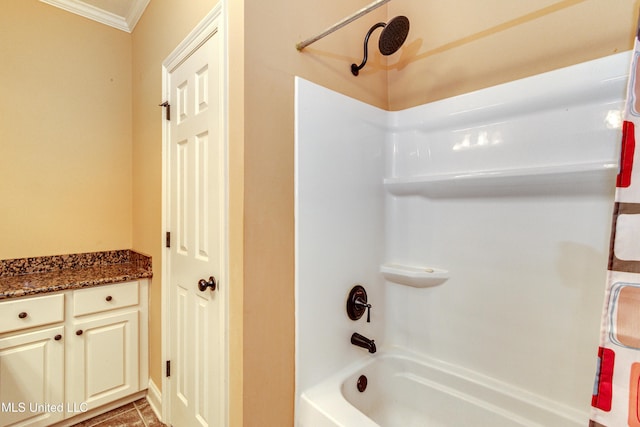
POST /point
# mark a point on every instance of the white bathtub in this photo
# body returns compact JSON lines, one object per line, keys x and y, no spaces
{"x":406,"y":391}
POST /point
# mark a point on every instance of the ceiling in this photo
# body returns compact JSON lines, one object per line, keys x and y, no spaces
{"x":120,"y":14}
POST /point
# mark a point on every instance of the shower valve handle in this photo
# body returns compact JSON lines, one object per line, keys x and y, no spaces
{"x":357,"y":303}
{"x":362,"y":303}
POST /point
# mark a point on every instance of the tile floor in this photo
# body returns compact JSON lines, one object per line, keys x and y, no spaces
{"x":135,"y":414}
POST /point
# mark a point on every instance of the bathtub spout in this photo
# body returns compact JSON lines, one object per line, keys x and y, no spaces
{"x":364,"y":342}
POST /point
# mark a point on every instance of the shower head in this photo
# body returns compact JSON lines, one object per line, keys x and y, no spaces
{"x":393,"y":35}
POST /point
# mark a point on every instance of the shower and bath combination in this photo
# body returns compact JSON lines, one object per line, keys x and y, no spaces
{"x":393,"y":35}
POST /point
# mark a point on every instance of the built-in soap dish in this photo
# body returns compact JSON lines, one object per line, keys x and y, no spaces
{"x":417,"y":277}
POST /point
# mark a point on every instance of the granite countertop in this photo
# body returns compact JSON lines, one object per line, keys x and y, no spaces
{"x":30,"y":276}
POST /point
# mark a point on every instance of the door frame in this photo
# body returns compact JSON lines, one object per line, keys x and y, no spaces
{"x":213,"y":23}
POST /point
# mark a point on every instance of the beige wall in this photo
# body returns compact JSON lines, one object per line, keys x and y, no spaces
{"x":467,"y":45}
{"x":83,"y":171}
{"x":65,"y":133}
{"x":271,"y":31}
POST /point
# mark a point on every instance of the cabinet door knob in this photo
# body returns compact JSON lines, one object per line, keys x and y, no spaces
{"x":109,"y":298}
{"x":79,"y":332}
{"x":22,"y":315}
{"x":57,"y":337}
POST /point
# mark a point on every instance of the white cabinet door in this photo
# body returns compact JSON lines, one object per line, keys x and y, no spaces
{"x":103,"y":362}
{"x":32,"y":378}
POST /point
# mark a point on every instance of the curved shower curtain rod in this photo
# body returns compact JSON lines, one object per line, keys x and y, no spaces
{"x":376,"y":4}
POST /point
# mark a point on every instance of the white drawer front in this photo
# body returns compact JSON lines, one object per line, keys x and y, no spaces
{"x":104,"y":298}
{"x":23,"y":313}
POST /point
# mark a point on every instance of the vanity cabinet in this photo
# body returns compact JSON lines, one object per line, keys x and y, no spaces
{"x":103,"y":344}
{"x":74,"y":350}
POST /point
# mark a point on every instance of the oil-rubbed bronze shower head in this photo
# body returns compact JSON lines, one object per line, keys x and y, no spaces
{"x":393,"y":35}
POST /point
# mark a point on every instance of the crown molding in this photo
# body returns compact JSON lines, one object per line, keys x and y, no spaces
{"x":125,"y":23}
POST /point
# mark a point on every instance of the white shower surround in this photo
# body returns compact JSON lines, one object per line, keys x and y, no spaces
{"x":508,"y":190}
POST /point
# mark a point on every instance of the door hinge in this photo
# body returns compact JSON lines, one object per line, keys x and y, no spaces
{"x":168,"y":109}
{"x":167,"y":239}
{"x":168,"y":368}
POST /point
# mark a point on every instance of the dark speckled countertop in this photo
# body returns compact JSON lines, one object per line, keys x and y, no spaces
{"x":30,"y":276}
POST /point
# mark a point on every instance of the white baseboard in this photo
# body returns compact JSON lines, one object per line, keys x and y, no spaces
{"x":154,"y":397}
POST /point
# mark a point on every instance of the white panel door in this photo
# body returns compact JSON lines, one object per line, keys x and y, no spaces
{"x":31,"y":376}
{"x":196,"y":219}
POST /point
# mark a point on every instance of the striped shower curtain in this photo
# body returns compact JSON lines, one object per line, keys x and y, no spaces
{"x":616,"y":394}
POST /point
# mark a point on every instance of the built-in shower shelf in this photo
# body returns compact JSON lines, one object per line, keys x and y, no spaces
{"x":571,"y":178}
{"x":417,"y":277}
